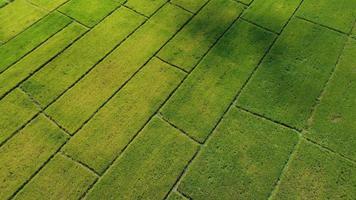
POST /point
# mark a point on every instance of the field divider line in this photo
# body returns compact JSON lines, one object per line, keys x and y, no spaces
{"x":300,"y":133}
{"x":159,"y":115}
{"x":325,"y":26}
{"x":75,"y":20}
{"x":170,"y":1}
{"x":99,"y":21}
{"x":330,"y":150}
{"x":262,"y":27}
{"x":172,"y":65}
{"x":284,"y":125}
{"x":133,"y":10}
{"x":285,"y":167}
{"x":45,"y":9}
{"x":81,"y":163}
{"x":327,"y":82}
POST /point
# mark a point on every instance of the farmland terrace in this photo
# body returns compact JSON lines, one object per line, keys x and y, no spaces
{"x":177,"y":99}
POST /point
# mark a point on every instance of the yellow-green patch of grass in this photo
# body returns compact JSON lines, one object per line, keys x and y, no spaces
{"x":198,"y":104}
{"x":20,"y":11}
{"x":81,"y":101}
{"x":16,"y":109}
{"x":61,"y":178}
{"x":195,"y":39}
{"x":271,"y":14}
{"x":293,"y":74}
{"x":48,"y":4}
{"x":314,"y":173}
{"x":23,"y":43}
{"x":110,"y":130}
{"x":190,"y":5}
{"x":24,"y":154}
{"x":150,"y":165}
{"x":89,"y":13}
{"x":54,"y":78}
{"x":34,"y":60}
{"x":146,"y":7}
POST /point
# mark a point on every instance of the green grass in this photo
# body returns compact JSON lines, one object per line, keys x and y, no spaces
{"x":37,"y":58}
{"x":118,"y":67}
{"x":68,"y":67}
{"x":176,"y":196}
{"x":338,"y":14}
{"x":145,"y":7}
{"x":89,"y":13}
{"x":192,"y":6}
{"x":177,"y":99}
{"x":16,"y":108}
{"x":292,"y":76}
{"x":315,"y":173}
{"x":199,"y":103}
{"x":25,"y":15}
{"x":243,"y":158}
{"x":26,"y":152}
{"x":190,"y":44}
{"x":123,"y":116}
{"x":48,"y":4}
{"x":30,"y":38}
{"x":272,"y":14}
{"x":159,"y":148}
{"x":333,"y":124}
{"x":55,"y":183}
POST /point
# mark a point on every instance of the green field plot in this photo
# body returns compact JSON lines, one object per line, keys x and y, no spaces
{"x":16,"y":109}
{"x":243,"y":158}
{"x":192,"y":6}
{"x":48,"y":4}
{"x":178,"y":99}
{"x":89,"y":13}
{"x":271,"y":14}
{"x":145,"y":7}
{"x":30,"y":38}
{"x":62,"y":178}
{"x":68,"y":67}
{"x":25,"y":15}
{"x":190,"y":44}
{"x":123,"y":116}
{"x":292,"y":76}
{"x":37,"y":58}
{"x":314,"y":173}
{"x":333,"y":123}
{"x":201,"y":100}
{"x":337,"y":14}
{"x":24,"y":154}
{"x":76,"y":106}
{"x":159,"y":147}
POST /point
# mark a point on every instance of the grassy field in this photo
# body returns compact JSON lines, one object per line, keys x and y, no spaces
{"x":178,"y":99}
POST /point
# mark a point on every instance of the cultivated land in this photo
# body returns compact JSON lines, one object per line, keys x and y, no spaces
{"x":177,"y":99}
